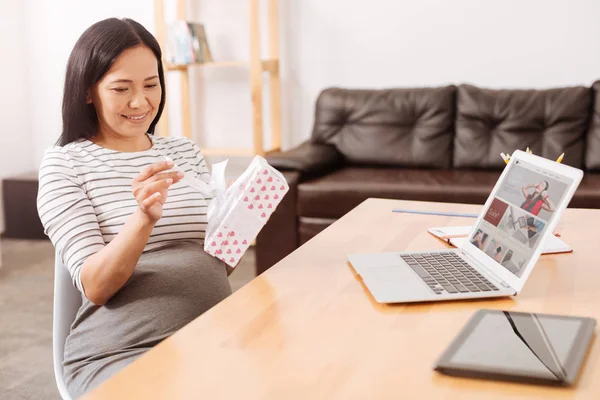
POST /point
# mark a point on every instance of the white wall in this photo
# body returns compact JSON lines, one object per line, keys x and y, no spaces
{"x":375,"y":44}
{"x":53,"y":27}
{"x":379,"y":43}
{"x":15,"y":133}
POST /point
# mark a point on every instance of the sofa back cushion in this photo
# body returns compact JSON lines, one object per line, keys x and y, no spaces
{"x":549,"y":122}
{"x":592,"y":156}
{"x":396,"y":127}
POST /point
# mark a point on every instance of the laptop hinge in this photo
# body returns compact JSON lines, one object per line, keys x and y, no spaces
{"x":487,"y":270}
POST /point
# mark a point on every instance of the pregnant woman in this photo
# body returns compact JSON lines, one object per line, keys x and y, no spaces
{"x":129,"y":231}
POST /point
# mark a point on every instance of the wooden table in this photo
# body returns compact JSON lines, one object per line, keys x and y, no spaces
{"x":308,"y":329}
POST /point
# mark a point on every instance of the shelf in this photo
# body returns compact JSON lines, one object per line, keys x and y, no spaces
{"x":267,"y":65}
{"x":208,"y":151}
{"x":233,"y":152}
{"x":255,"y":65}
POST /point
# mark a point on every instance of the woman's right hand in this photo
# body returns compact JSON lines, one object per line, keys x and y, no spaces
{"x":150,"y":188}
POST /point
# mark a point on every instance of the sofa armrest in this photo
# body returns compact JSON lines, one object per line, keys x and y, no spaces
{"x":310,"y":159}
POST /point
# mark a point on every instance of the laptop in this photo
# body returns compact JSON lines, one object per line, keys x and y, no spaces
{"x":502,"y":247}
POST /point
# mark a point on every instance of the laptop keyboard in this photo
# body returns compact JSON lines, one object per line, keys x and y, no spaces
{"x":447,"y":272}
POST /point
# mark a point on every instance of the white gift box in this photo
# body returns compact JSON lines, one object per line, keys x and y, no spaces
{"x":236,"y":215}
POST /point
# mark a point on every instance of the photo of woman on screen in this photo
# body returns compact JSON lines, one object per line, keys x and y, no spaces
{"x":537,"y":200}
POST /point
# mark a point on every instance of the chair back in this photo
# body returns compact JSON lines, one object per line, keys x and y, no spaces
{"x":67,"y":300}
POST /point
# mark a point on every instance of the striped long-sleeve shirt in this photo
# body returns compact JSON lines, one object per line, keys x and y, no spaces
{"x":85,"y":197}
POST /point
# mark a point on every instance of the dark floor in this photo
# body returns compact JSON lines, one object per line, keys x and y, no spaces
{"x":26,"y":293}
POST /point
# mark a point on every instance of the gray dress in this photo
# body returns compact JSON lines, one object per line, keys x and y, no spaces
{"x":169,"y":288}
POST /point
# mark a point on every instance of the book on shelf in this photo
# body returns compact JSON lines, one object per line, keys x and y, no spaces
{"x":187,"y":43}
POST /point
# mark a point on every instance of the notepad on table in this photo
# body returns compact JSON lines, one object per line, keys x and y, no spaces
{"x":456,"y":236}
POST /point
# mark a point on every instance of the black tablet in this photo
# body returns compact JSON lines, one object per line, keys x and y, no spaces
{"x":517,"y":346}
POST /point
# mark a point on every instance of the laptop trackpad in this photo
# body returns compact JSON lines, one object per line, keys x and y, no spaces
{"x":394,"y":284}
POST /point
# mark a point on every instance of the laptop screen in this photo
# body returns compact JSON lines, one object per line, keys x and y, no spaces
{"x":524,"y":204}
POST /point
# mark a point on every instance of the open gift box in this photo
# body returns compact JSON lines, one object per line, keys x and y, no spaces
{"x":236,"y":216}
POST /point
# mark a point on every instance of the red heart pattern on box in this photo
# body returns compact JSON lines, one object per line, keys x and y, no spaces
{"x":261,"y":197}
{"x":227,"y":246}
{"x":264,"y":193}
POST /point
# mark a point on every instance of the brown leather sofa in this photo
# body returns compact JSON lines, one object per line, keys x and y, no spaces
{"x":430,"y":144}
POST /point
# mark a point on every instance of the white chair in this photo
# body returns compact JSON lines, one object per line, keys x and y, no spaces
{"x":67,"y":301}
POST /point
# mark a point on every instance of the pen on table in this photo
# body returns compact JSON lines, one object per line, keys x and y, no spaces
{"x":441,"y":213}
{"x":560,"y":158}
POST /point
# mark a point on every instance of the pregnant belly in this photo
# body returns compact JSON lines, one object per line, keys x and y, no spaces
{"x":168,"y":289}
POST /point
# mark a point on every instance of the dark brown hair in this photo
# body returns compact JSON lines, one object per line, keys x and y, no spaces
{"x":92,"y":56}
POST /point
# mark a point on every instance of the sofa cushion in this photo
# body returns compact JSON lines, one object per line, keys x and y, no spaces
{"x":588,"y":192}
{"x":311,"y":227}
{"x":549,"y":122}
{"x":592,"y":156}
{"x":333,"y":195}
{"x":397,"y":127}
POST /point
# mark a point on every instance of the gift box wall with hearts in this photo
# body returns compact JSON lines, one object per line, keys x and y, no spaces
{"x":243,"y":211}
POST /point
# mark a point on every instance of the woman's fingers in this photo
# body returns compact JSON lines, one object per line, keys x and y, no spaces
{"x":150,"y":201}
{"x":154,"y":187}
{"x":151,"y":186}
{"x":176,"y":176}
{"x":152,"y":170}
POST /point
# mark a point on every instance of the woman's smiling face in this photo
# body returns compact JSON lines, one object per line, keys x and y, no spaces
{"x":540,"y":187}
{"x":127,"y":98}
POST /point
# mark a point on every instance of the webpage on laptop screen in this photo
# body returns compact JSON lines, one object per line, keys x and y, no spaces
{"x":520,"y":211}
